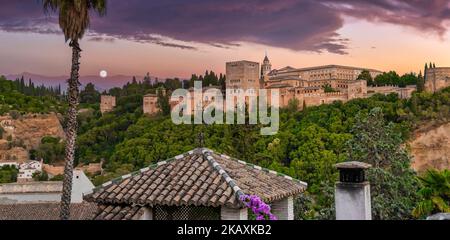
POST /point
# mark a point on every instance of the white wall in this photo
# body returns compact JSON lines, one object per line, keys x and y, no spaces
{"x":36,"y":192}
{"x":81,"y":185}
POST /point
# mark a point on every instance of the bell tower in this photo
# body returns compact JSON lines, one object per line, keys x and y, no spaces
{"x":266,"y":67}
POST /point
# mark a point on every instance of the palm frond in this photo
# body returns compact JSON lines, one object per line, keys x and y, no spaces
{"x":74,"y":16}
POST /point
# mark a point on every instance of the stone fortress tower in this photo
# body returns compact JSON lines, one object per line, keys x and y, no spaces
{"x":436,"y":78}
{"x":107,"y":103}
{"x":151,"y":104}
{"x":243,"y":75}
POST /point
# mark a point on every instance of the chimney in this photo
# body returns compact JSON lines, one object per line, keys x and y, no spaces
{"x":352,"y":194}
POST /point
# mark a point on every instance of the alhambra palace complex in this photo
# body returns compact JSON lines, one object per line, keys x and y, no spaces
{"x":306,"y":85}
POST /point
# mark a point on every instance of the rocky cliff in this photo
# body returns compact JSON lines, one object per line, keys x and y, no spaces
{"x":431,"y":148}
{"x":27,"y":131}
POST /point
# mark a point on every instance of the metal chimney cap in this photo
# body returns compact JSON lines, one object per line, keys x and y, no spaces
{"x":353,"y":165}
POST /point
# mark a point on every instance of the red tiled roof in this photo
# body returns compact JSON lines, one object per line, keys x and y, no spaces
{"x":198,"y":178}
{"x":116,"y":212}
{"x":46,"y":211}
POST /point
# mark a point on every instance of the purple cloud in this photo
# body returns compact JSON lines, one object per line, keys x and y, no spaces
{"x":309,"y":25}
{"x":423,"y":15}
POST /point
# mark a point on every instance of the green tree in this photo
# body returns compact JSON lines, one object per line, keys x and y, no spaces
{"x":73,"y":20}
{"x":163,"y":103}
{"x":365,"y":75}
{"x":389,"y":78}
{"x":420,"y":82}
{"x":435,"y":193}
{"x":8,"y":174}
{"x":51,"y":150}
{"x":393,"y":183}
{"x":89,"y":94}
{"x":57,"y":178}
{"x":40,"y":176}
{"x":313,"y":161}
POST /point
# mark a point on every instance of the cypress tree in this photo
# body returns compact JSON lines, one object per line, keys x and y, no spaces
{"x":420,"y":82}
{"x":22,"y":85}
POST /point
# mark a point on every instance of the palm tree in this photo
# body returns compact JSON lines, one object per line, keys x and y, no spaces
{"x":73,"y":21}
{"x":435,"y":193}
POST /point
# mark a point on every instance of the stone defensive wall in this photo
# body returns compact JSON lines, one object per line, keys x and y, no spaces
{"x":437,"y":78}
{"x":331,"y":94}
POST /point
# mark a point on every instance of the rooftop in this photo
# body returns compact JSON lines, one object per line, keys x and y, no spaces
{"x":198,"y":178}
{"x":45,"y":211}
{"x":291,"y":69}
{"x":242,"y":61}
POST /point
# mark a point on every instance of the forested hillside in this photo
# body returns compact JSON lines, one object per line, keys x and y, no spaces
{"x":307,"y":146}
{"x":130,"y":137}
{"x":20,"y":97}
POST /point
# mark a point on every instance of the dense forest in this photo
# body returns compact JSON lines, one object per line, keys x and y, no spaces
{"x":391,"y":78}
{"x":19,"y":97}
{"x":307,"y":146}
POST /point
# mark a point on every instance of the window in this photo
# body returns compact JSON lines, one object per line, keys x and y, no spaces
{"x":186,"y":213}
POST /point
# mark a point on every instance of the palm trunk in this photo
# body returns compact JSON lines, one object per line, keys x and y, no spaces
{"x":72,"y":125}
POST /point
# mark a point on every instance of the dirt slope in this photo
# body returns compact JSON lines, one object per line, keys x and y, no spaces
{"x":431,"y":148}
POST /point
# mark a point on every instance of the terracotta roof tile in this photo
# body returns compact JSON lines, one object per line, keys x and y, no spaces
{"x":46,"y":211}
{"x":198,"y":178}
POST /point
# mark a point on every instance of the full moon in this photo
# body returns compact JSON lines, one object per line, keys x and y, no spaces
{"x":103,"y":74}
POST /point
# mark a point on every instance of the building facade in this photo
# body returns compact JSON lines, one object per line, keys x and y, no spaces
{"x":403,"y":93}
{"x":28,"y":169}
{"x":311,"y":86}
{"x":335,"y":76}
{"x":308,"y":86}
{"x":108,"y":103}
{"x":151,"y":104}
{"x":243,"y":75}
{"x":437,"y":78}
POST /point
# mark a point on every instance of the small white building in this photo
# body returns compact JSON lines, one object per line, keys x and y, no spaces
{"x":28,"y":169}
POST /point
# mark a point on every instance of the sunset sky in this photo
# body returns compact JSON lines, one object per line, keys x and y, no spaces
{"x":171,"y":38}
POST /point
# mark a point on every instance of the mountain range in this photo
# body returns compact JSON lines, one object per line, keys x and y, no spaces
{"x":100,"y":83}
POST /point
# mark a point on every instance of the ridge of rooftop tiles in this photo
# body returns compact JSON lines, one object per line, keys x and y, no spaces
{"x":237,"y":190}
{"x":135,"y":173}
{"x":264,"y":169}
{"x":207,"y":154}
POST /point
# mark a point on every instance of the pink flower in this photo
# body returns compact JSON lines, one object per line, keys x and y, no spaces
{"x":258,"y":207}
